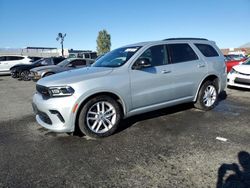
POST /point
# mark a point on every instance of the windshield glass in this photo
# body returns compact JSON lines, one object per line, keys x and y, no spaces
{"x":247,"y":62}
{"x":64,"y":62}
{"x":37,"y":62}
{"x":116,"y":58}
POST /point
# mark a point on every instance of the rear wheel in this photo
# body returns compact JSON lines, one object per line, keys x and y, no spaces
{"x":207,"y":97}
{"x":25,"y":75}
{"x":100,"y":117}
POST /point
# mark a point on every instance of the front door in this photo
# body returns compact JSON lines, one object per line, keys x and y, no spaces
{"x":152,"y":85}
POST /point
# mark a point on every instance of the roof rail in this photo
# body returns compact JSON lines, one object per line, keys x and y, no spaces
{"x":185,"y":39}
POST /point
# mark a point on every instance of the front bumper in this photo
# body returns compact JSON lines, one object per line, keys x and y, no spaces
{"x":238,"y":80}
{"x":34,"y":76}
{"x":54,"y":113}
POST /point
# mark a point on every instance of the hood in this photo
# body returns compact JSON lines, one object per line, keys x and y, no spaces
{"x":74,"y":76}
{"x":245,"y":69}
{"x":37,"y":69}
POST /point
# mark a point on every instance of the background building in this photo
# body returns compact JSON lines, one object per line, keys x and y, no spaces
{"x":34,"y":51}
{"x":243,"y":48}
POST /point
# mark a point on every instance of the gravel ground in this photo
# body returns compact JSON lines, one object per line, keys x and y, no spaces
{"x":173,"y":147}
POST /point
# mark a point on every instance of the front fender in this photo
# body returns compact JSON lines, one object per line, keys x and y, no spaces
{"x":91,"y":93}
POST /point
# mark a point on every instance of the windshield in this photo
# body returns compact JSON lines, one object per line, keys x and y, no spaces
{"x":64,"y":62}
{"x":247,"y":62}
{"x":116,"y":58}
{"x":236,"y":57}
{"x":37,"y":62}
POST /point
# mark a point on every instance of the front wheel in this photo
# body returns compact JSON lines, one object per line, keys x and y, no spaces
{"x":25,"y":75}
{"x":100,"y":117}
{"x":207,"y":97}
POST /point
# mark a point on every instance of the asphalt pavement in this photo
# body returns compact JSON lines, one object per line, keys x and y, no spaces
{"x":173,"y":147}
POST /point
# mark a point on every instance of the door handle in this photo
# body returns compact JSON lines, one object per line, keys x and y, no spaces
{"x":165,"y":71}
{"x":201,"y":65}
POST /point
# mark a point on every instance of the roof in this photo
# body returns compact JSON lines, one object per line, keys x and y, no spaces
{"x":79,"y":51}
{"x":42,"y":48}
{"x":186,"y":39}
{"x":169,"y":39}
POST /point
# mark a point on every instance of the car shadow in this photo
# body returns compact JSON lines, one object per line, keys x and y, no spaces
{"x":239,"y":176}
{"x":3,"y":76}
{"x":222,"y":96}
{"x":128,"y":122}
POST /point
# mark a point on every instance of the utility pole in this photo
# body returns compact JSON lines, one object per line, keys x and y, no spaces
{"x":61,"y":37}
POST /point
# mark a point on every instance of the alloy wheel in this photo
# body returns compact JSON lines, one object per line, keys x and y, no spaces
{"x":101,"y":117}
{"x":210,"y":96}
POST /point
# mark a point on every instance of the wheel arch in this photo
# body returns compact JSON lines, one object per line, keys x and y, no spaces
{"x":211,"y":77}
{"x":45,"y":73}
{"x":113,"y":95}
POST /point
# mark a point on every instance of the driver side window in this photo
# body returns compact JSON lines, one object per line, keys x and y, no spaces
{"x":155,"y":55}
{"x":78,"y":63}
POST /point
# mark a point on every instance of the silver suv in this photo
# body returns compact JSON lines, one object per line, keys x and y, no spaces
{"x":131,"y":80}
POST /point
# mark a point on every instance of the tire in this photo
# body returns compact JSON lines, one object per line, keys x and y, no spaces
{"x":92,"y":120}
{"x":48,"y":74}
{"x":24,"y":75}
{"x":208,"y":96}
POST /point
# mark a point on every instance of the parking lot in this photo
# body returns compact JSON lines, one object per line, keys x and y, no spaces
{"x":173,"y":147}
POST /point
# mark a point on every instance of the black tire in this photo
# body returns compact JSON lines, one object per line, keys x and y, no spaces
{"x":24,"y":75}
{"x":48,"y":74}
{"x":84,"y":125}
{"x":201,"y":103}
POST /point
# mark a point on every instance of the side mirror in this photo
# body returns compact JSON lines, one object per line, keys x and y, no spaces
{"x":142,"y":63}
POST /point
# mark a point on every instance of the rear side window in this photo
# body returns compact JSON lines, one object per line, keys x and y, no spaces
{"x":2,"y":58}
{"x":78,"y":63}
{"x":93,"y":55}
{"x":14,"y":58}
{"x":86,"y":56}
{"x":207,"y":50}
{"x":181,"y":52}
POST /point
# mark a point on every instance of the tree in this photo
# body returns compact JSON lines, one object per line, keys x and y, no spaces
{"x":103,"y":42}
{"x":61,"y":37}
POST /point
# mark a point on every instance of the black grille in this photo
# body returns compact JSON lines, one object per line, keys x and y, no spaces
{"x":242,"y":81}
{"x":44,"y":117}
{"x":44,"y":91}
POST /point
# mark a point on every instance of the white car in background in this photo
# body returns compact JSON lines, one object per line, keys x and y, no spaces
{"x":8,"y":61}
{"x":239,"y":76}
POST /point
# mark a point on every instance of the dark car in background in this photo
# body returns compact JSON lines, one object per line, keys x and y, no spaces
{"x":22,"y":71}
{"x":67,"y":64}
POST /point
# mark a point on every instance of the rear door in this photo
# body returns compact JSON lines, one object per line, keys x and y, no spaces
{"x":188,"y":69}
{"x":152,"y":85}
{"x":12,"y":60}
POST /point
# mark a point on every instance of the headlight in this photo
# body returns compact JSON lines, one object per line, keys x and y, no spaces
{"x":61,"y":91}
